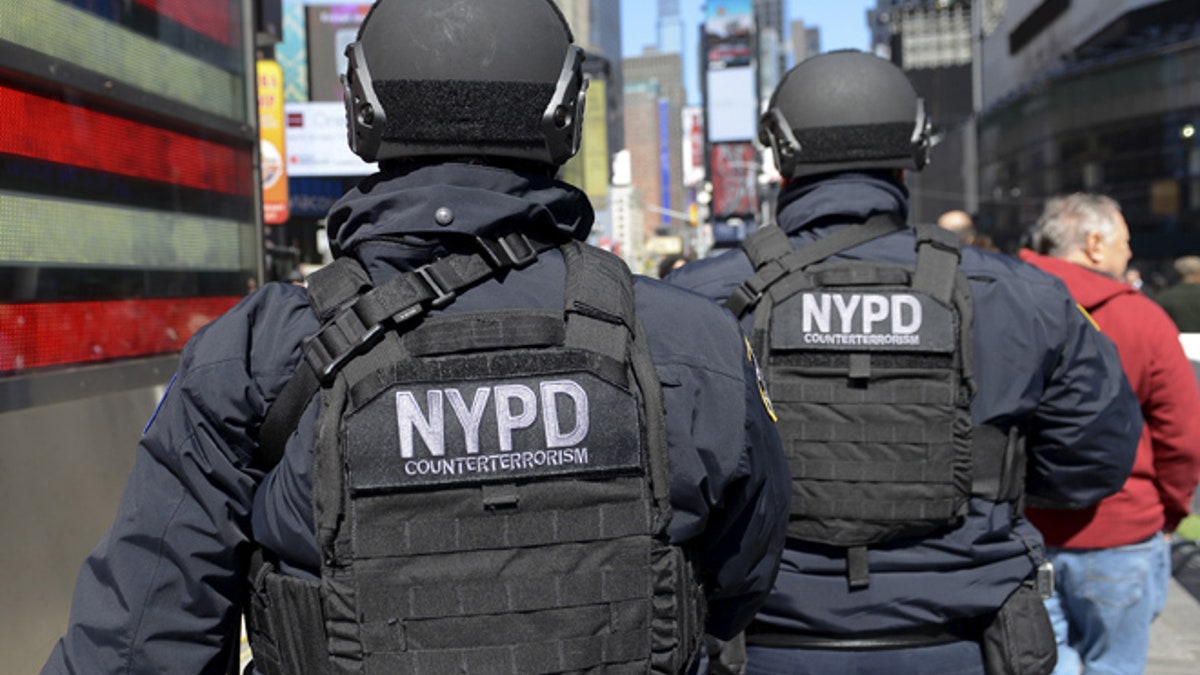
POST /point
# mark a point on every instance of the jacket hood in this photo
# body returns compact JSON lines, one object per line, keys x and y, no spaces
{"x":838,"y":199}
{"x":1088,"y":287}
{"x":413,"y":211}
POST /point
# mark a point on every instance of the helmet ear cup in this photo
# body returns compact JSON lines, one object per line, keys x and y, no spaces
{"x":365,"y":117}
{"x":775,"y":132}
{"x":562,"y":123}
{"x":922,"y":137}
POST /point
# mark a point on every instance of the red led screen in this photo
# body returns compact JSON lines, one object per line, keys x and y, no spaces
{"x":35,"y":335}
{"x":49,"y":129}
{"x":208,"y":17}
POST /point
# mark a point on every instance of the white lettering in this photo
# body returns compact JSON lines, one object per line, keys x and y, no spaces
{"x":471,"y":418}
{"x":506,"y":421}
{"x":555,"y":438}
{"x":814,"y":313}
{"x":846,"y":310}
{"x":432,"y":428}
{"x":498,"y":463}
{"x":899,"y":302}
{"x":875,"y":310}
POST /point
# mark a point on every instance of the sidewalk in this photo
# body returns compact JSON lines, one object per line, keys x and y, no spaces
{"x":1175,"y":636}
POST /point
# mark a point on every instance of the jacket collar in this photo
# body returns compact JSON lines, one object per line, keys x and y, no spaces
{"x":1088,"y":287}
{"x":406,"y":215}
{"x":839,"y":199}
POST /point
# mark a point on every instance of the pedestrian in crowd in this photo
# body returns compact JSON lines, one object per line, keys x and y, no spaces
{"x":1182,"y":301}
{"x":1111,"y":559}
{"x":914,"y":431}
{"x":1133,"y":277}
{"x":671,"y":263}
{"x":961,"y":223}
{"x":497,"y":452}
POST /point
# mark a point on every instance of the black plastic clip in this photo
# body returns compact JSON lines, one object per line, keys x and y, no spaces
{"x":512,"y":250}
{"x":443,"y":294}
{"x":327,"y":351}
{"x":746,"y":295}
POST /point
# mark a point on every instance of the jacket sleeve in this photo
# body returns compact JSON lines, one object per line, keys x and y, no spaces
{"x":749,"y":527}
{"x":160,"y":592}
{"x":1083,"y":435}
{"x":730,"y":486}
{"x":1171,"y":407}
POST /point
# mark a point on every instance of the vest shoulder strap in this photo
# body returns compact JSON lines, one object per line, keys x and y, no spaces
{"x":774,"y":258}
{"x":353,"y":315}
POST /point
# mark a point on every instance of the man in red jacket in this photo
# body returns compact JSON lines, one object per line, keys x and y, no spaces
{"x":1111,"y":560}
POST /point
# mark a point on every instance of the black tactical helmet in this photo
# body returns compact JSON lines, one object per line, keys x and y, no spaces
{"x":843,"y":111}
{"x":494,"y":78}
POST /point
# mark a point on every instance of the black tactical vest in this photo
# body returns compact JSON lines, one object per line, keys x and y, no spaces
{"x":490,"y":489}
{"x":868,"y":366}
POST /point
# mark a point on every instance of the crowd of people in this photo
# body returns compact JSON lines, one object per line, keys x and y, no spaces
{"x":475,"y":444}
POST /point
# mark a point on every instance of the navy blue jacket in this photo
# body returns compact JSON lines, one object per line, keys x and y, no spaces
{"x":161,"y":592}
{"x":1038,"y":363}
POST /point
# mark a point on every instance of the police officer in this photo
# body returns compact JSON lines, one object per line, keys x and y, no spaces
{"x":492,"y":503}
{"x":843,"y":127}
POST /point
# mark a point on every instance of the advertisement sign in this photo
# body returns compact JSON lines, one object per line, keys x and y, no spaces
{"x":271,"y":140}
{"x":729,"y":33}
{"x":734,"y":179}
{"x":317,"y":143}
{"x":731,"y":108}
{"x":693,"y":146}
{"x":330,"y":29}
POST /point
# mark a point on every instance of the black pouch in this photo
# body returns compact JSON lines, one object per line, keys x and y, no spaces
{"x":1020,"y":639}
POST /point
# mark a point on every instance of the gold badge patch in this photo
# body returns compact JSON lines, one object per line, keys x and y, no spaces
{"x":762,"y":385}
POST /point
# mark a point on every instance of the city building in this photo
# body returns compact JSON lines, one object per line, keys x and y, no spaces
{"x":628,"y":234}
{"x":670,"y":27}
{"x":770,"y":30}
{"x":931,"y":41}
{"x":597,"y":28}
{"x":806,"y":41}
{"x":654,"y":134}
{"x":1101,"y":96}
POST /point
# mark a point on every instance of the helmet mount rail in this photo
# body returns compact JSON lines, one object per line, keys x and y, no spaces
{"x":560,"y":126}
{"x":778,"y":134}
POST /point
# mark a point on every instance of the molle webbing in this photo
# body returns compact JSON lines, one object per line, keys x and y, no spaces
{"x":869,"y":369}
{"x":537,"y":558}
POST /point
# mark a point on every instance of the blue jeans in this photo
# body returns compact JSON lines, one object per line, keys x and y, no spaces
{"x":1103,"y":604}
{"x":956,"y":658}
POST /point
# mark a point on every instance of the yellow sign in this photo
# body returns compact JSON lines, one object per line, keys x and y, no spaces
{"x":271,"y":134}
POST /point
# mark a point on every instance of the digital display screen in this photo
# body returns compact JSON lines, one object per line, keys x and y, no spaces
{"x":123,"y":230}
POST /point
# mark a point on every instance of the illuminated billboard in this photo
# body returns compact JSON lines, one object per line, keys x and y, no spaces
{"x":732,"y":114}
{"x":127,"y":147}
{"x":735,"y":180}
{"x":729,"y":33}
{"x":330,"y":29}
{"x":693,"y":146}
{"x":317,"y":144}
